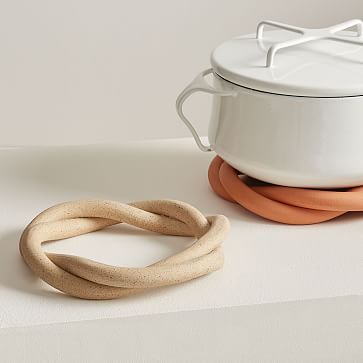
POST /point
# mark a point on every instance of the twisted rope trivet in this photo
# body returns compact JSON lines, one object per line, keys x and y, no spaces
{"x":83,"y":278}
{"x":282,"y":204}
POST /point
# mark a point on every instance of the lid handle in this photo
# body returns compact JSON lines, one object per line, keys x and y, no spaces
{"x":308,"y":35}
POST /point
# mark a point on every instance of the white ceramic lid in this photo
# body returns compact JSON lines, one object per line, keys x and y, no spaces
{"x":295,"y":61}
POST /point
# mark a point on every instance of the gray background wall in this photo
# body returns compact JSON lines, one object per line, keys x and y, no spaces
{"x":86,"y":71}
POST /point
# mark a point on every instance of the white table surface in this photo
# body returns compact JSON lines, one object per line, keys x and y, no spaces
{"x":311,"y":331}
{"x":265,"y":262}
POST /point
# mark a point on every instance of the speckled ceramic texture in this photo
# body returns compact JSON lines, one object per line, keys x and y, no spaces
{"x":87,"y":279}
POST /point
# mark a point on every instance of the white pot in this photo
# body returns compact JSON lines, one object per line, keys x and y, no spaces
{"x":290,"y":123}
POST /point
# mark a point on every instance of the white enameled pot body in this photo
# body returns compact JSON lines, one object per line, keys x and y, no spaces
{"x":311,"y":142}
{"x":287,"y":140}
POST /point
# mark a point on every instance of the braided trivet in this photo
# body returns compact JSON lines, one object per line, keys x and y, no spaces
{"x":87,"y":279}
{"x":282,"y":204}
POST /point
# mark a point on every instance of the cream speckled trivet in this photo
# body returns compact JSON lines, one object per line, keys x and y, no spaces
{"x":87,"y":279}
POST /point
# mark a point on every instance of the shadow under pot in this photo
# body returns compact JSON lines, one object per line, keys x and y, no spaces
{"x":288,"y":105}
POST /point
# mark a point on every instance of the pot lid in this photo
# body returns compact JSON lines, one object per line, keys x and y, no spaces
{"x":295,"y":61}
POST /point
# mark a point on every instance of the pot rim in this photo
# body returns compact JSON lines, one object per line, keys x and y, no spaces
{"x":215,"y":73}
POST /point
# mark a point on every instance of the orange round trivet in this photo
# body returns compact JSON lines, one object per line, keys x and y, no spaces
{"x":282,"y":204}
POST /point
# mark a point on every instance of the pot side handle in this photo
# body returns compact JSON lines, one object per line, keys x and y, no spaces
{"x":199,"y":84}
